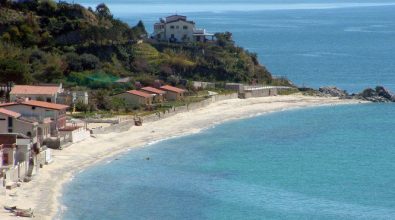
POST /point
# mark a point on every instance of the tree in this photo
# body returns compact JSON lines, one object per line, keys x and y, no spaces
{"x":6,"y":37}
{"x":74,"y":62}
{"x":140,"y":28}
{"x":12,"y":70}
{"x":102,"y":100}
{"x":224,"y":39}
{"x":89,"y":61}
{"x":117,"y":103}
{"x":47,"y":7}
{"x":103,"y":11}
{"x":81,"y":107}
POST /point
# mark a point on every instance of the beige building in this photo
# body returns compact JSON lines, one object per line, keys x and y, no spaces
{"x":178,"y":29}
{"x":42,"y":112}
{"x":13,"y":122}
{"x":173,"y":93}
{"x":134,"y":98}
{"x":159,"y":95}
{"x":46,"y":93}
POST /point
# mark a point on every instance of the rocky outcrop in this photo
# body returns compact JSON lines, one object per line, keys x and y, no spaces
{"x":333,"y":91}
{"x":380,"y":94}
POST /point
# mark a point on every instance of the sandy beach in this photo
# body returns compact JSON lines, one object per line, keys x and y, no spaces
{"x":43,"y":193}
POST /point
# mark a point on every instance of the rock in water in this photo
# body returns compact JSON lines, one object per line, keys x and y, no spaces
{"x":380,"y":94}
{"x":381,"y":91}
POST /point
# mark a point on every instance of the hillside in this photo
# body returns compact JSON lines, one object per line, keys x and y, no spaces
{"x":44,"y":41}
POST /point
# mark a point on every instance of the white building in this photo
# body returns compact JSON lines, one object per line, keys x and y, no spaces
{"x":177,"y":28}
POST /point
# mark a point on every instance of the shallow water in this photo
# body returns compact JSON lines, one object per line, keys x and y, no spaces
{"x":319,"y":163}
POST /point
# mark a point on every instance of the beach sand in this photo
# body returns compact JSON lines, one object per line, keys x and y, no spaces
{"x":43,"y":193}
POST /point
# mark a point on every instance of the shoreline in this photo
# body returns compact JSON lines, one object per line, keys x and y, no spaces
{"x":44,"y":192}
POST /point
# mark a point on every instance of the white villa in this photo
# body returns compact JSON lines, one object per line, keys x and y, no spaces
{"x":177,"y":28}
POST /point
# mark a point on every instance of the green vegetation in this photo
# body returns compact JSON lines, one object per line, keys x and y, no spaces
{"x":48,"y":42}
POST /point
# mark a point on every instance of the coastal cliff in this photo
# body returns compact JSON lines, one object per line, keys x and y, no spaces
{"x":49,"y":42}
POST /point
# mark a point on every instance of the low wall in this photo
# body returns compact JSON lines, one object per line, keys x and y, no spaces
{"x":258,"y":93}
{"x":16,"y":173}
{"x":111,"y":121}
{"x":121,"y":127}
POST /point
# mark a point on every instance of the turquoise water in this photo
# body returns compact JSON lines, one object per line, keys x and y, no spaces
{"x":349,"y":44}
{"x":319,"y":163}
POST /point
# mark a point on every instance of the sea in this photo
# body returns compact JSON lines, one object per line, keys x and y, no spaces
{"x":333,"y":162}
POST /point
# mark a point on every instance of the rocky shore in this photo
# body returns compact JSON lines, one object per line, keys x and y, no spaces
{"x":379,"y":94}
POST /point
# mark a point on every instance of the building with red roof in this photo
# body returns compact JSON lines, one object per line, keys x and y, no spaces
{"x":40,"y":112}
{"x":14,"y":122}
{"x":173,"y":93}
{"x":48,"y":93}
{"x":135,"y":98}
{"x":157,"y":93}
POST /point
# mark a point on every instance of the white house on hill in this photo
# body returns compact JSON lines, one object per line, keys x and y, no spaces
{"x":177,"y":28}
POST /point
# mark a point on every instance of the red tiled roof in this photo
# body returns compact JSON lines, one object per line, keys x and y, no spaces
{"x":172,"y":89}
{"x":45,"y":105}
{"x":139,"y":93}
{"x":9,"y":113}
{"x":34,"y":90}
{"x":153,"y":90}
{"x":7,"y":104}
{"x":38,"y":104}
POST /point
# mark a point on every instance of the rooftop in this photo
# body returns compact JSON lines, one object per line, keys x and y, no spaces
{"x":153,"y":90}
{"x":45,"y":105}
{"x":35,"y":90}
{"x":172,"y":89}
{"x":41,"y":104}
{"x":139,"y":93}
{"x":9,"y":113}
{"x":174,"y":18}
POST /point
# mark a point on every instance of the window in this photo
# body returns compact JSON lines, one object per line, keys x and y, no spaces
{"x":177,"y":27}
{"x":172,"y":27}
{"x":29,"y":134}
{"x":10,"y":122}
{"x":5,"y":159}
{"x":9,"y":130}
{"x":172,"y":36}
{"x":185,"y":27}
{"x":49,"y":100}
{"x":2,"y":119}
{"x":33,"y":107}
